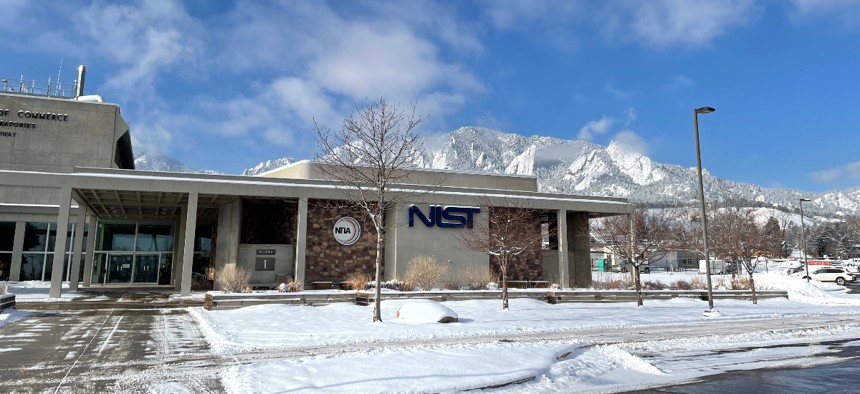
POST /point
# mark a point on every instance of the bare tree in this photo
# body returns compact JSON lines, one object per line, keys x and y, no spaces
{"x":641,"y":237}
{"x":369,"y":154}
{"x":509,"y":232}
{"x":738,"y":238}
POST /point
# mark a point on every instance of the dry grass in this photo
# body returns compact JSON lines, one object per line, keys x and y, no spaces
{"x":424,"y":272}
{"x":681,"y":285}
{"x":234,"y":279}
{"x":358,"y":280}
{"x":699,"y":283}
{"x":477,"y":278}
{"x":651,"y":285}
{"x":290,"y":286}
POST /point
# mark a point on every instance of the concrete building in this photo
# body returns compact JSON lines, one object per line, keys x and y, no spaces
{"x":68,"y":165}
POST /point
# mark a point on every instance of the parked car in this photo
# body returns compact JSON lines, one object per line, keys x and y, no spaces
{"x":827,"y":274}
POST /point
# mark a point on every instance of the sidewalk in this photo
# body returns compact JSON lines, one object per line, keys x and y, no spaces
{"x":33,"y":295}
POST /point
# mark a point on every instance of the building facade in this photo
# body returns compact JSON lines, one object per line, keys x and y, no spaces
{"x":71,"y":169}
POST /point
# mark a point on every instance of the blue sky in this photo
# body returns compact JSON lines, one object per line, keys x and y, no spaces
{"x":224,"y":85}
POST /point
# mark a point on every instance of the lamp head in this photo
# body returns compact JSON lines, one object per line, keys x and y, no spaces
{"x":705,"y":110}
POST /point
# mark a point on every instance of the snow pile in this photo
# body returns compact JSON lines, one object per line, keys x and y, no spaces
{"x":10,"y":315}
{"x":425,"y":311}
{"x":814,"y":292}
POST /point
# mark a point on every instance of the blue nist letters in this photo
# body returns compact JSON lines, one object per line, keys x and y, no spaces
{"x":447,"y":217}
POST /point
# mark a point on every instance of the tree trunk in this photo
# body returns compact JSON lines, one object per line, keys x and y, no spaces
{"x":503,"y":270}
{"x":752,"y":289}
{"x":380,"y":241}
{"x":638,"y":283}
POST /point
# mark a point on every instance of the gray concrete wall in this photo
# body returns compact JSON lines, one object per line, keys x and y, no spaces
{"x":77,"y":134}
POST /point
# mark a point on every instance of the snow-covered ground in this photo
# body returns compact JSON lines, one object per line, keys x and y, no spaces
{"x":567,"y":347}
{"x":532,"y":347}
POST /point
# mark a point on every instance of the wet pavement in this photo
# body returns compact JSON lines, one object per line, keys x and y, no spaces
{"x":109,"y":350}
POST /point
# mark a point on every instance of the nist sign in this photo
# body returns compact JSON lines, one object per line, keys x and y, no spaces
{"x":444,"y":217}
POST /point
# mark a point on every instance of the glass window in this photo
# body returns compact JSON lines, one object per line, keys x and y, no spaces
{"x":5,"y":265}
{"x":155,"y":238}
{"x":7,"y":236}
{"x":118,"y":236}
{"x":36,"y":237}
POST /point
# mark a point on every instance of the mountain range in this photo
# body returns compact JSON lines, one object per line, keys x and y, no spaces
{"x":583,"y":168}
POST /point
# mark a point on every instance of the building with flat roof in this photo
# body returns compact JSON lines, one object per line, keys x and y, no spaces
{"x":72,"y":169}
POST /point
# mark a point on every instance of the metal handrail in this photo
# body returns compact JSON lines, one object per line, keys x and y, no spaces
{"x":36,"y":88}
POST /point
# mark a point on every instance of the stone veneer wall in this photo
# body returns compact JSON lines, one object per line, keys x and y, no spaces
{"x":325,"y":258}
{"x":529,"y":264}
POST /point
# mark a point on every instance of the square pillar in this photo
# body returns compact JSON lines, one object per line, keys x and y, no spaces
{"x":188,"y":244}
{"x":301,"y":240}
{"x":563,"y":254}
{"x":580,"y":244}
{"x":179,"y":253}
{"x":75,"y":269}
{"x":17,"y":251}
{"x":60,"y":243}
{"x":91,"y":250}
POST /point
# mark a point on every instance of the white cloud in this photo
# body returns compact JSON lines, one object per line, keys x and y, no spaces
{"x":630,"y":115}
{"x":850,"y":172}
{"x":664,"y":23}
{"x":617,"y":93}
{"x":145,"y":39}
{"x":846,"y":10}
{"x":679,"y":81}
{"x":595,"y":127}
{"x":632,"y":141}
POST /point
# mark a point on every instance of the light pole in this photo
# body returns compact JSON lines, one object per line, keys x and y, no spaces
{"x":696,"y":112}
{"x":803,"y":238}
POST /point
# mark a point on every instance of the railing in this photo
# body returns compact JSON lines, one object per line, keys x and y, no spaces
{"x":36,"y":88}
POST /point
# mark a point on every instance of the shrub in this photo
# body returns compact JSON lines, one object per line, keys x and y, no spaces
{"x":740,"y":283}
{"x":424,"y":272}
{"x":477,"y":278}
{"x":682,"y":285}
{"x":358,"y":280}
{"x":234,"y":279}
{"x":698,"y":283}
{"x":651,"y":285}
{"x":291,"y":286}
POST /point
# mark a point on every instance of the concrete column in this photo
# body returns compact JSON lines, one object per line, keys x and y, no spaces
{"x":227,"y":245}
{"x":179,"y":250}
{"x":75,"y":269}
{"x":92,"y":223}
{"x":301,"y":240}
{"x":581,"y":246}
{"x":17,"y":251}
{"x":60,"y":244}
{"x":563,"y":255}
{"x":188,"y":249}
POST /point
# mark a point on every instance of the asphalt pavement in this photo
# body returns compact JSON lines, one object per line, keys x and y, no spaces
{"x":109,"y":350}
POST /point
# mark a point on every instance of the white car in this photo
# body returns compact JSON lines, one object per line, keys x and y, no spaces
{"x":827,"y":274}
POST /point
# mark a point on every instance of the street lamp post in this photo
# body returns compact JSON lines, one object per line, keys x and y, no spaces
{"x":696,"y":112}
{"x":803,"y":239}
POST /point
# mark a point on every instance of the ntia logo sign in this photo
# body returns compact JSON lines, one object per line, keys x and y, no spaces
{"x":444,"y":217}
{"x":346,"y":230}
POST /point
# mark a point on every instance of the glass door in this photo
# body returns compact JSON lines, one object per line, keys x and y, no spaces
{"x":146,"y":269}
{"x":119,"y":268}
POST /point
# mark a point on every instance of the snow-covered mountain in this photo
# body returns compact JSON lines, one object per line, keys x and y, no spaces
{"x":268,"y":166}
{"x":583,"y":168}
{"x":150,"y":162}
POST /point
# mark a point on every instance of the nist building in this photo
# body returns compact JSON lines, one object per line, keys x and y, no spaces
{"x":73,"y":209}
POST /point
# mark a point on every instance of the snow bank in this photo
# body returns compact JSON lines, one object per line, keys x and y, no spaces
{"x":425,"y":311}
